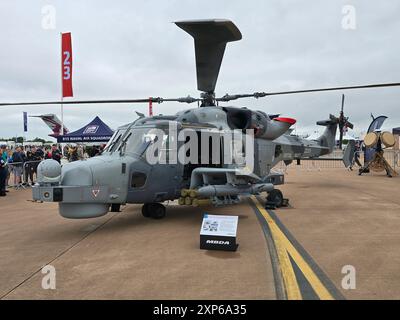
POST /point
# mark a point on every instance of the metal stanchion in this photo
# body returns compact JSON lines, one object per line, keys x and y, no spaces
{"x":13,"y":166}
{"x":26,"y":166}
{"x":24,"y":173}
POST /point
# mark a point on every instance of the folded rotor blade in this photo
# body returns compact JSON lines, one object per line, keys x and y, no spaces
{"x":210,"y":39}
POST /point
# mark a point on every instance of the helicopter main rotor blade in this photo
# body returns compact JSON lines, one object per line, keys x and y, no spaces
{"x":257,"y":95}
{"x":210,"y":39}
{"x":190,"y":99}
{"x":187,"y":99}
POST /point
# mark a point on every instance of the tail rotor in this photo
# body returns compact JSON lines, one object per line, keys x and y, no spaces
{"x":343,"y":123}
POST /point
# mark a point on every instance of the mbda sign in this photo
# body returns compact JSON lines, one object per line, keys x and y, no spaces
{"x":218,"y":232}
{"x":217,"y":242}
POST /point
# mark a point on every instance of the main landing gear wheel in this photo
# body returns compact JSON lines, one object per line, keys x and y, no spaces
{"x":153,"y":210}
{"x":274,"y":199}
{"x":145,"y":211}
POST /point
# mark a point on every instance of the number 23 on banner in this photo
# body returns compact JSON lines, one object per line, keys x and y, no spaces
{"x":67,"y":65}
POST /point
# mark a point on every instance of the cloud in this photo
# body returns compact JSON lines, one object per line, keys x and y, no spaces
{"x":130,"y":49}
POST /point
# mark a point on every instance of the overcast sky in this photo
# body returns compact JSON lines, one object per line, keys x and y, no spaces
{"x":130,"y":49}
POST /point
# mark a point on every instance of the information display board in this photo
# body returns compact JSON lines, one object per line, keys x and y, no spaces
{"x":218,"y":232}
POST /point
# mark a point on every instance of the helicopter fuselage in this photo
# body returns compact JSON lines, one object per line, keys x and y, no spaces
{"x":124,"y":174}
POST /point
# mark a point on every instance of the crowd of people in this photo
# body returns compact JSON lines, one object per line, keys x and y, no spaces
{"x":21,"y":162}
{"x":74,"y":153}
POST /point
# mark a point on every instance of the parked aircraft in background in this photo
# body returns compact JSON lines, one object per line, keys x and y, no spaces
{"x":54,"y":123}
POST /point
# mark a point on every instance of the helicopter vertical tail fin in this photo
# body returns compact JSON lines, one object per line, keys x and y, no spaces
{"x":328,"y":137}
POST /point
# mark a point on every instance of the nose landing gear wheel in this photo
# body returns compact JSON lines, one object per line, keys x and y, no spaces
{"x":153,"y":210}
{"x":115,"y":207}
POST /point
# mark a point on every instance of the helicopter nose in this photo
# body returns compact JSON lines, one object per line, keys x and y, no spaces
{"x":76,"y":174}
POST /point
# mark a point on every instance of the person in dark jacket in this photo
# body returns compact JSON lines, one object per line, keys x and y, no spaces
{"x":18,"y":159}
{"x":55,"y":153}
{"x":33,"y":157}
{"x":3,"y":177}
{"x":40,"y":153}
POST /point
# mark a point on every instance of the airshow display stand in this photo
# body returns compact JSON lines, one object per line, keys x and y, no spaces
{"x":95,"y":131}
{"x":218,"y":233}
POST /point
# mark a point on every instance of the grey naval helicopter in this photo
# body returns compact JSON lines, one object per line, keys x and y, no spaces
{"x":120,"y":175}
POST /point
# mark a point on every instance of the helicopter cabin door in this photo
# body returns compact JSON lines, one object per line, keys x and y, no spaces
{"x":210,"y":154}
{"x":159,"y":181}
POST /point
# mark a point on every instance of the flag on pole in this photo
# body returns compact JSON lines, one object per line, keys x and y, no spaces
{"x":66,"y":58}
{"x":376,"y":123}
{"x":25,"y":116}
{"x":150,"y":106}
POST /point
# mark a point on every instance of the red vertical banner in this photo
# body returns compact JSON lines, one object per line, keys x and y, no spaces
{"x":150,"y":107}
{"x":66,"y":64}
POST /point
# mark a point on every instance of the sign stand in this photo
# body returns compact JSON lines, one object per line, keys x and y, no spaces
{"x":218,"y":233}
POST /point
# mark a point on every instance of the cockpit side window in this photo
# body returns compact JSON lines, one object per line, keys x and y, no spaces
{"x":115,"y":141}
{"x":114,"y":144}
{"x":107,"y":147}
{"x":122,"y":145}
{"x":139,"y":140}
{"x":138,"y":179}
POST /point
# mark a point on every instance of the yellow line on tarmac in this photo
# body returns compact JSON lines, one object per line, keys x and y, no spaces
{"x":310,"y":275}
{"x":289,"y":278}
{"x":283,"y":247}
